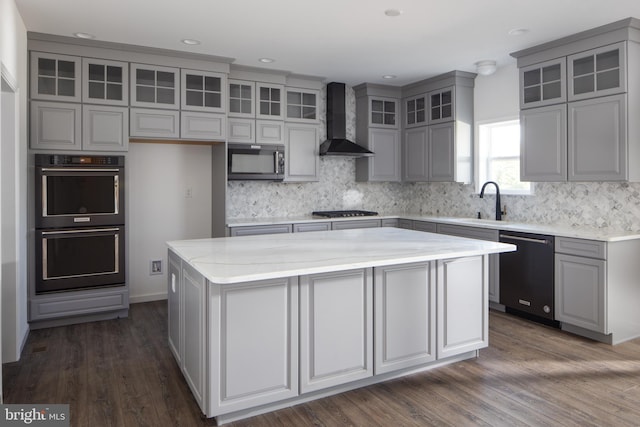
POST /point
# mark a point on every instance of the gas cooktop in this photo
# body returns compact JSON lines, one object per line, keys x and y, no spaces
{"x":343,"y":214}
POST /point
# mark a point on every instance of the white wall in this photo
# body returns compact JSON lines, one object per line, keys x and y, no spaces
{"x":13,"y":59}
{"x":157,"y":179}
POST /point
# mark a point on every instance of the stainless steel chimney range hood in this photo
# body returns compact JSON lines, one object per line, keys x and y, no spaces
{"x":337,"y":143}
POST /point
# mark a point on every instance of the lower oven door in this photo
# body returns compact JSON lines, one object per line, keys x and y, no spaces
{"x":71,"y":259}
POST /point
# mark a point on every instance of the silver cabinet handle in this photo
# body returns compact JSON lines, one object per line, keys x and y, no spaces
{"x":525,"y":239}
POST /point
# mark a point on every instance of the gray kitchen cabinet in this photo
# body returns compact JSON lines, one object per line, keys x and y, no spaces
{"x":203,"y":91}
{"x":302,"y":143}
{"x":429,"y":227}
{"x":543,"y":84}
{"x":194,"y":295}
{"x":405,"y":223}
{"x":105,"y":128}
{"x":242,"y":98}
{"x":56,"y":305}
{"x":597,"y":139}
{"x":443,"y":150}
{"x":602,"y":98}
{"x":462,"y":296}
{"x":302,"y":105}
{"x":154,"y":123}
{"x":442,"y":105}
{"x":204,"y":126}
{"x":352,"y":224}
{"x":55,"y":77}
{"x":543,"y":141}
{"x":596,"y":290}
{"x":255,"y":230}
{"x":55,"y":126}
{"x":105,"y":82}
{"x":269,"y":132}
{"x":305,"y":227}
{"x":241,"y":130}
{"x":494,"y":259}
{"x":415,"y":111}
{"x":269,"y":101}
{"x":404,"y":316}
{"x":175,"y":309}
{"x":389,"y":222}
{"x":597,"y":72}
{"x":416,"y":154}
{"x":336,"y":328}
{"x":154,"y":86}
{"x":377,"y":129}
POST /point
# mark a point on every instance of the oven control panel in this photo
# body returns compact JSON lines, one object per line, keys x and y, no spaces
{"x":77,"y":160}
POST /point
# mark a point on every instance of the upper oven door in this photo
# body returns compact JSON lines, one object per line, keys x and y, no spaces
{"x":79,"y":196}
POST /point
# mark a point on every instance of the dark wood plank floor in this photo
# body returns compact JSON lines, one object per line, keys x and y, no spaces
{"x":121,"y":373}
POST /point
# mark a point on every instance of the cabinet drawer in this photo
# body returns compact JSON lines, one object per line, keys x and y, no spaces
{"x":260,"y":229}
{"x":389,"y":222}
{"x":406,"y":223}
{"x":347,"y":225}
{"x":428,"y":227}
{"x":581,"y":247}
{"x":470,"y":232}
{"x":315,"y":226}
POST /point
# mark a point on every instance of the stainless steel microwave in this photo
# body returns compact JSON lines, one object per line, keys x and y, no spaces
{"x":255,"y":162}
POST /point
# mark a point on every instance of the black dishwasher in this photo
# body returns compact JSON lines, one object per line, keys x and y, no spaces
{"x":527,"y":275}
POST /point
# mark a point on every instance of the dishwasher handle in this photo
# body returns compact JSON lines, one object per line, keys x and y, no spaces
{"x":524,"y":239}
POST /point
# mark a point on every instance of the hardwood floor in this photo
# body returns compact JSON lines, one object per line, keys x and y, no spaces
{"x":121,"y":373}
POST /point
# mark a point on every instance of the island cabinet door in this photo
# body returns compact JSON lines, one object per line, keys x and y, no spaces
{"x":253,"y":344}
{"x":463,"y":314}
{"x":336,"y":328}
{"x":405,"y":316}
{"x":174,"y":293}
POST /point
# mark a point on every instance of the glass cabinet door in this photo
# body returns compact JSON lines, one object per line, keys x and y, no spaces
{"x":597,"y":72}
{"x":302,"y":105}
{"x":203,"y":91}
{"x":241,"y":98}
{"x":543,"y":84}
{"x":105,"y":82}
{"x":441,"y":106}
{"x":269,"y":102}
{"x":383,"y":112}
{"x":55,"y":77}
{"x":153,"y":86}
{"x":416,"y":111}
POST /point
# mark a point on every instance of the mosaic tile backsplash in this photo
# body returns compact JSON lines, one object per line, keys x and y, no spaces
{"x":615,"y":205}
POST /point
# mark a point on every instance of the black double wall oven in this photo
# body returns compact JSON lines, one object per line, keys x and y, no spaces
{"x":80,"y":222}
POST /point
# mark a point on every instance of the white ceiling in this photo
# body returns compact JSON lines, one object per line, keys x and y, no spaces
{"x":349,"y":41}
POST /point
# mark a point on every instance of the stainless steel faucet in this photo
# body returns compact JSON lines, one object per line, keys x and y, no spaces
{"x":498,"y":208}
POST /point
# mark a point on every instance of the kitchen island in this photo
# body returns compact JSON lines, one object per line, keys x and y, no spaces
{"x":259,"y":323}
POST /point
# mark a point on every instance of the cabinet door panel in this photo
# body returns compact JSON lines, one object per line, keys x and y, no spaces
{"x":404,"y":316}
{"x":175,"y":310}
{"x":154,"y":123}
{"x":55,"y":126}
{"x":463,"y":316}
{"x":416,"y":155}
{"x":442,"y":153}
{"x":242,"y":130}
{"x":105,"y":128}
{"x":580,"y":292}
{"x":598,"y":139}
{"x":543,"y":84}
{"x":194,"y":294}
{"x":543,"y":144}
{"x":336,"y":328}
{"x":55,"y":77}
{"x":302,"y":145}
{"x":269,"y":132}
{"x":105,"y":82}
{"x":206,"y":126}
{"x":385,"y":164}
{"x":597,"y":72}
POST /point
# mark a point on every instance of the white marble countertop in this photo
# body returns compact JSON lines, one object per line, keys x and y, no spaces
{"x":591,"y":233}
{"x":240,"y":259}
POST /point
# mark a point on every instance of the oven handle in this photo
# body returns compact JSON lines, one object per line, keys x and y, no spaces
{"x":84,"y":230}
{"x":79,"y":170}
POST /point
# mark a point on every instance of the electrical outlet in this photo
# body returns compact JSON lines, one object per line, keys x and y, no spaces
{"x":188,"y":193}
{"x":155,"y":267}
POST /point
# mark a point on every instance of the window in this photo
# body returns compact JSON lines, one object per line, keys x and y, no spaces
{"x":499,"y":157}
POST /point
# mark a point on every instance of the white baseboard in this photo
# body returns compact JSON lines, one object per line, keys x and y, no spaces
{"x":134,"y":299}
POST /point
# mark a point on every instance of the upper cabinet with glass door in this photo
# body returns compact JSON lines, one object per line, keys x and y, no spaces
{"x":55,"y":77}
{"x":415,"y":111}
{"x":155,"y":87}
{"x":242,"y":98}
{"x":597,"y":72}
{"x":269,"y":101}
{"x":543,"y":84}
{"x":383,"y":112}
{"x":203,"y":91}
{"x":302,"y":105}
{"x":105,"y":82}
{"x":441,"y":108}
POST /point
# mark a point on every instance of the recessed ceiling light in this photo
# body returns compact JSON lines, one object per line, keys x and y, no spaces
{"x":266,"y":60}
{"x":389,"y":76}
{"x":393,"y":12}
{"x":190,"y":41}
{"x":518,"y":31}
{"x":84,"y":35}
